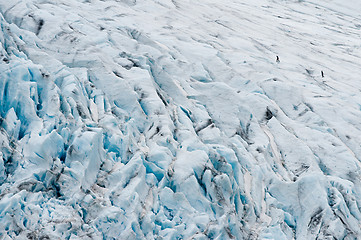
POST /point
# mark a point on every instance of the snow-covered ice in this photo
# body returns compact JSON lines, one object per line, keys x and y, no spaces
{"x":169,"y":119}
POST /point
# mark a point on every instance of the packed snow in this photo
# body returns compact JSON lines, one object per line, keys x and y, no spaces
{"x":170,"y":119}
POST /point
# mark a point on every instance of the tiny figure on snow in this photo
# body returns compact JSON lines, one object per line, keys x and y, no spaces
{"x":322,"y":75}
{"x":277,"y":59}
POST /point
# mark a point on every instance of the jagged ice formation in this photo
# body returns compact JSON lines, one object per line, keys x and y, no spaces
{"x":169,"y":119}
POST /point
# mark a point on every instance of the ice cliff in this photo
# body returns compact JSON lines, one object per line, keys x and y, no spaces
{"x":170,"y":119}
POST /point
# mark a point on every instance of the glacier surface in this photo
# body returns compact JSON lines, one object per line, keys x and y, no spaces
{"x":169,"y":119}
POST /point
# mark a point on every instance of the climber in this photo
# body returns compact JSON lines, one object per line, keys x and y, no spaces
{"x":322,"y":74}
{"x":277,"y":59}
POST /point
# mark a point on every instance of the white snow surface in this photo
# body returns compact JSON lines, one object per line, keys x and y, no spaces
{"x":171,"y":119}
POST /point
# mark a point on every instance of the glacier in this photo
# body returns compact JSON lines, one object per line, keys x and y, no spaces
{"x":169,"y":119}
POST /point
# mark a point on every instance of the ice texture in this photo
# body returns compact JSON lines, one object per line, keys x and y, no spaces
{"x":168,"y":119}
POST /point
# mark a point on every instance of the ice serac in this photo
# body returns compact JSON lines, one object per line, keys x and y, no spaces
{"x":173,"y":120}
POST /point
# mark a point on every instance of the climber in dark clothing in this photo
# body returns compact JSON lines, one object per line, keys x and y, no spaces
{"x":322,"y":74}
{"x":277,"y":59}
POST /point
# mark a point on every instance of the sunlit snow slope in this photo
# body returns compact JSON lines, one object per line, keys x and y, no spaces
{"x":171,"y":119}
